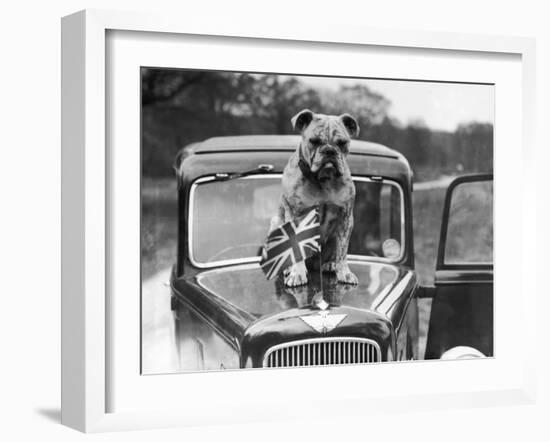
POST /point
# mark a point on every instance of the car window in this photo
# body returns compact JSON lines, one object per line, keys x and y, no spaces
{"x":230,"y":220}
{"x":378,"y":220}
{"x":469,"y":238}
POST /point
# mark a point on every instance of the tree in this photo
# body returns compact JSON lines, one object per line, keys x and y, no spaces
{"x":418,"y":143}
{"x":277,"y":99}
{"x":473,"y":146}
{"x":368,"y":107}
{"x":163,"y":85}
{"x":184,"y":106}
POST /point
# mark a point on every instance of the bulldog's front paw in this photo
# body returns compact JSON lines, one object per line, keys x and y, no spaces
{"x":345,"y":275}
{"x":296,"y":275}
{"x":329,"y":267}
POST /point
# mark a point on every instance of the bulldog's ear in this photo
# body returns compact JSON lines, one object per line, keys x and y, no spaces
{"x":302,"y":119}
{"x":350,"y":124}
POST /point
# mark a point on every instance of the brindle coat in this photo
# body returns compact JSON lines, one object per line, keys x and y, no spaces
{"x":317,"y":174}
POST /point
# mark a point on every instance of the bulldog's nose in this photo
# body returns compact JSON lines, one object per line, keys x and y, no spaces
{"x":329,"y":151}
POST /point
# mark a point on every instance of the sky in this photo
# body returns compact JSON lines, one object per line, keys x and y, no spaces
{"x":440,"y":105}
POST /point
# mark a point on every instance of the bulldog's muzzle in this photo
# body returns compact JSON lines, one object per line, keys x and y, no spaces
{"x":327,"y":163}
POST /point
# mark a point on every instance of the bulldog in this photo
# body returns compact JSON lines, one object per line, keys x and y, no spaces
{"x":317,"y":174}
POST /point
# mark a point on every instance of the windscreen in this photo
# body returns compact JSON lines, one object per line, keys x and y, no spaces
{"x":230,"y":220}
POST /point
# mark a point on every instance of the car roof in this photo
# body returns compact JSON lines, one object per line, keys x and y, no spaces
{"x":243,"y":153}
{"x":278,"y":142}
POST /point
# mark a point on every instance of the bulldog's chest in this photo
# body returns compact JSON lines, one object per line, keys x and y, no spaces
{"x":306,"y":194}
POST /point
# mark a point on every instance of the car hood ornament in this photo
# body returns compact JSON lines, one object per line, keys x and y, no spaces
{"x":322,"y":321}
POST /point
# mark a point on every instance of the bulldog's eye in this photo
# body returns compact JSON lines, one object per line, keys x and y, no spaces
{"x":315,"y":141}
{"x":342,"y":144}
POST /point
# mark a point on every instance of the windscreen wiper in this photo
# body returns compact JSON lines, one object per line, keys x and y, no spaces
{"x":262,"y":168}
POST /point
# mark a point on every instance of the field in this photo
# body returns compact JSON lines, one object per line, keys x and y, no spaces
{"x":427,"y":213}
{"x":158,"y":225}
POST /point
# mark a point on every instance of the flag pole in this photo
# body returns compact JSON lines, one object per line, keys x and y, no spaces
{"x":320,"y":255}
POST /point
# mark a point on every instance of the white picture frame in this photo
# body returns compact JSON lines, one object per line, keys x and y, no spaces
{"x":86,"y":306}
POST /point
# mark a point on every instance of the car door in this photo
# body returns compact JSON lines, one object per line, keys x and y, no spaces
{"x":461,"y":319}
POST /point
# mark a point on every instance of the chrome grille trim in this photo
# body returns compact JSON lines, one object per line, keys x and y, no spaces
{"x":323,"y":351}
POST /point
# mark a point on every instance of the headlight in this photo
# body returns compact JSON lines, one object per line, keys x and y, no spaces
{"x":248,"y":363}
{"x":462,"y":352}
{"x":390,"y":354}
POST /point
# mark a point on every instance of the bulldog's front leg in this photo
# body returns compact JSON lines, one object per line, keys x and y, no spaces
{"x":342,"y":271}
{"x":340,"y":264}
{"x":344,"y":274}
{"x":296,"y":275}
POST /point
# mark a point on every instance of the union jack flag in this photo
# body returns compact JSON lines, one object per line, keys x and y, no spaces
{"x":291,"y":243}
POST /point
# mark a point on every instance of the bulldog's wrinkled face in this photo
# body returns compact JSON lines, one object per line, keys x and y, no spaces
{"x":325,"y":141}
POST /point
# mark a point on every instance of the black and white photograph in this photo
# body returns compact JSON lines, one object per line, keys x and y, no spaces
{"x":304,"y":221}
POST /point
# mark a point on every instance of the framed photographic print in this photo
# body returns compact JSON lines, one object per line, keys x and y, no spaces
{"x":244,"y":222}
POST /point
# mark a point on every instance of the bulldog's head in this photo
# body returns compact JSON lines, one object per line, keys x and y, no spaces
{"x":325,"y":141}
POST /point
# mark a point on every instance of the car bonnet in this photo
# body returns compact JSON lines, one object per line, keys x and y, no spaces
{"x":246,"y":287}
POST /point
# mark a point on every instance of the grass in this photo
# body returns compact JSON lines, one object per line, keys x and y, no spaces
{"x":158,"y":225}
{"x":427,"y":213}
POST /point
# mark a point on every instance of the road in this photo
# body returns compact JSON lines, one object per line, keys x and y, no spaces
{"x":159,"y":351}
{"x":167,"y":347}
{"x":441,"y":183}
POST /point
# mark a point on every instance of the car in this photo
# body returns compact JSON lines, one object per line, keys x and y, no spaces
{"x":228,"y":315}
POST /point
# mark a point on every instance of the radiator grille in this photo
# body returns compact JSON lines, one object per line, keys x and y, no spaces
{"x":327,"y":351}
